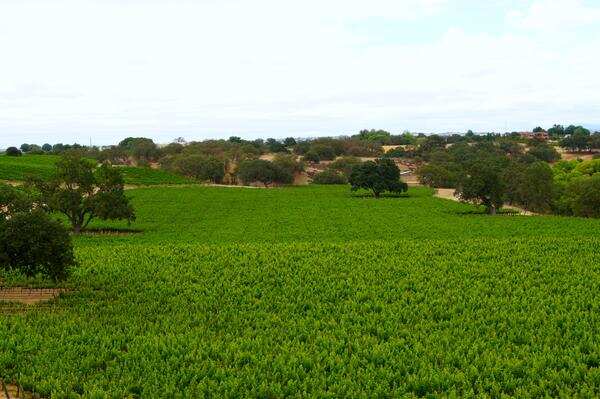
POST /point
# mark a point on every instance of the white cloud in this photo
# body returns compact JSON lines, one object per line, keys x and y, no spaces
{"x":74,"y":69}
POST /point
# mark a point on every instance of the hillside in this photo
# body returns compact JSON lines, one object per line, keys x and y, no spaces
{"x":18,"y":168}
{"x":230,"y":292}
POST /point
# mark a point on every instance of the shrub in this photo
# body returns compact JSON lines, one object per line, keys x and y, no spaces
{"x":344,"y":165}
{"x":329,"y":176}
{"x":378,"y":177}
{"x":200,"y":167}
{"x":289,"y":163}
{"x":259,"y":170}
{"x":312,"y":156}
{"x":544,"y":152}
{"x":435,"y":175}
{"x":33,"y":243}
{"x":584,"y":195}
{"x":13,"y":152}
{"x":325,"y":152}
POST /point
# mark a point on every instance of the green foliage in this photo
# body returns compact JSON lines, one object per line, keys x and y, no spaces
{"x":379,"y":135}
{"x":14,"y":200}
{"x":32,"y":243}
{"x":530,"y":186}
{"x":584,"y":196}
{"x":19,"y":169}
{"x":544,"y":152}
{"x":482,"y":181}
{"x":578,"y":139}
{"x":82,"y":192}
{"x":329,"y":176}
{"x":200,"y":167}
{"x":484,"y":317}
{"x":436,"y":175}
{"x":344,"y":165}
{"x":288,"y":163}
{"x":324,"y":152}
{"x":265,"y":172}
{"x":311,"y":156}
{"x":380,"y":176}
{"x":13,"y":152}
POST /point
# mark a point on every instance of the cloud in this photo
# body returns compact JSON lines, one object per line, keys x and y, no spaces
{"x":108,"y":69}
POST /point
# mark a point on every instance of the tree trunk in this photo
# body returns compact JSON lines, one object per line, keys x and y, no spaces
{"x":376,"y":194}
{"x":77,"y":229}
{"x":491,"y":209}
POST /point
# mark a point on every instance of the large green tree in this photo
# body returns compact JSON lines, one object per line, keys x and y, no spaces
{"x":83,"y":192}
{"x":380,"y":176}
{"x":482,"y":182}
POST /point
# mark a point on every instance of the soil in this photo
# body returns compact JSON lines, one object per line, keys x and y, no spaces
{"x":29,"y":296}
{"x":11,"y":391}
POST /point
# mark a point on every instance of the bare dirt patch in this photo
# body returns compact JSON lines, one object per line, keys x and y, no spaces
{"x":29,"y":296}
{"x":14,"y":391}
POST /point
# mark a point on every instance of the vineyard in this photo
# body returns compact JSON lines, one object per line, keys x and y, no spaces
{"x":19,"y":168}
{"x":316,"y":292}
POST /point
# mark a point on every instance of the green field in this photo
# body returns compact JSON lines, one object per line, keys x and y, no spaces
{"x":314,"y":292}
{"x":19,"y":168}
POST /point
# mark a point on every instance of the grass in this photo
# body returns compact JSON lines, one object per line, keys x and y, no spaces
{"x":19,"y":168}
{"x":312,"y":292}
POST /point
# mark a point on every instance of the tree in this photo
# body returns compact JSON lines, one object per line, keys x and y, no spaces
{"x":259,"y":170}
{"x":436,"y":175}
{"x":379,"y":176}
{"x":33,"y":243}
{"x":556,"y":131}
{"x":482,"y":181}
{"x":289,"y":142}
{"x":329,"y":176}
{"x":312,"y":156}
{"x":578,"y":140}
{"x":275,"y":146}
{"x":82,"y":192}
{"x":544,"y":152}
{"x":344,"y":165}
{"x":378,"y":135}
{"x":288,"y":163}
{"x":325,"y":152}
{"x":13,"y":152}
{"x":46,"y":147}
{"x":140,"y":148}
{"x":530,"y":186}
{"x":25,"y":147}
{"x":538,"y":130}
{"x":584,"y":196}
{"x":200,"y":167}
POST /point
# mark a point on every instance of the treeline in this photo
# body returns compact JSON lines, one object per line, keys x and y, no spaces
{"x":498,"y":173}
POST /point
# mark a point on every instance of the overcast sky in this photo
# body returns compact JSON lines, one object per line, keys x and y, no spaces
{"x":71,"y":70}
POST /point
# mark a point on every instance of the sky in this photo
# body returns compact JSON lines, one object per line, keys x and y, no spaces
{"x":101,"y":70}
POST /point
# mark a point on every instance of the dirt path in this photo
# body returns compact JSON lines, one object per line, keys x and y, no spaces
{"x":448,"y":193}
{"x":29,"y":296}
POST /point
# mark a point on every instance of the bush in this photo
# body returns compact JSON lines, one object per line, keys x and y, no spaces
{"x":584,"y":195}
{"x":259,"y":170}
{"x":434,"y":175}
{"x":200,"y":167}
{"x":312,"y":156}
{"x":329,"y":176}
{"x":288,"y":163}
{"x":378,"y":177}
{"x":32,"y":243}
{"x":544,"y":152}
{"x":325,"y":152}
{"x":344,"y":165}
{"x":13,"y":152}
